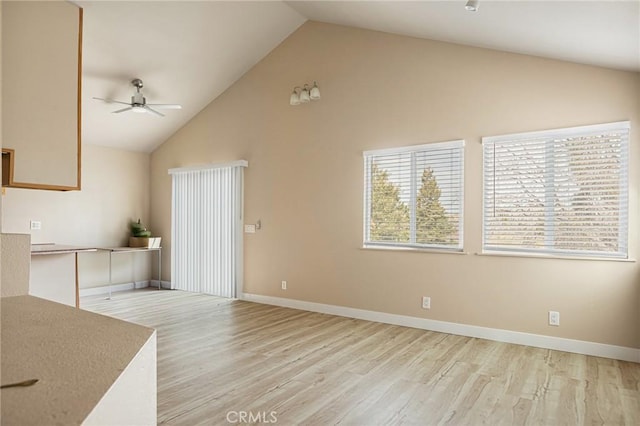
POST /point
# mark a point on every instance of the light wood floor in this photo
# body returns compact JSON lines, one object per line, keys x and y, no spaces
{"x":217,"y":357}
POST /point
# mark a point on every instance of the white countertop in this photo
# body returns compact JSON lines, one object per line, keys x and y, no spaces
{"x":75,"y":355}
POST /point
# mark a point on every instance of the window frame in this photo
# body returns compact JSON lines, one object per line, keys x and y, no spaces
{"x":411,"y":149}
{"x":549,"y":136}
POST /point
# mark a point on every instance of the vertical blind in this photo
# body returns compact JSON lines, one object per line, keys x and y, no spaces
{"x":558,"y":192}
{"x":206,"y":228}
{"x":414,"y":196}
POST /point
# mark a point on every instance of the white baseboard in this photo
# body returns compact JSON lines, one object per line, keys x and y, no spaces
{"x":498,"y":335}
{"x":163,"y":284}
{"x":94,"y":291}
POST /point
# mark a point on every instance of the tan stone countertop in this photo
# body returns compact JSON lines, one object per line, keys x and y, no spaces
{"x":75,"y":355}
{"x":51,"y":248}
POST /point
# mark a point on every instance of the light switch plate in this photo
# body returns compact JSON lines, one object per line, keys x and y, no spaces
{"x":249,"y":229}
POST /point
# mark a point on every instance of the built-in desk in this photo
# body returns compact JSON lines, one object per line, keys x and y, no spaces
{"x":91,"y":369}
{"x":59,"y":249}
{"x":115,"y":250}
{"x":42,"y":287}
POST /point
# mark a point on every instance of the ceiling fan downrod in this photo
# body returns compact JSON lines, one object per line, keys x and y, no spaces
{"x":137,"y":83}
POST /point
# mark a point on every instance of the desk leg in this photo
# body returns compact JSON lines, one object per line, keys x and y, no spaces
{"x":77,"y":284}
{"x":110,"y":253}
{"x":159,"y":269}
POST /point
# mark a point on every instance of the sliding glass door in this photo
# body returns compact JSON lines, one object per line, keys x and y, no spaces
{"x":206,"y":234}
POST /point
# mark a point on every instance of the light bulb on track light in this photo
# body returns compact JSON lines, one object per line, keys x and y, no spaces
{"x":295,"y":98}
{"x":304,"y":95}
{"x":314,"y":94}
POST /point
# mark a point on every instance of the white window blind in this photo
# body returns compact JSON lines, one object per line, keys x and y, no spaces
{"x":206,"y":252}
{"x":414,"y":195}
{"x":559,"y":192}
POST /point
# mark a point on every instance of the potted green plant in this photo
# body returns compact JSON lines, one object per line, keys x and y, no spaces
{"x":141,"y":237}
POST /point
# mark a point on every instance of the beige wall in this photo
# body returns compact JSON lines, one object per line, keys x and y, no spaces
{"x":115,"y":190}
{"x":305,"y":177}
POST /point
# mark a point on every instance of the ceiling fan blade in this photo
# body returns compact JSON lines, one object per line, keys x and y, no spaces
{"x":122,"y":110}
{"x":153,"y":110}
{"x":111,"y":101}
{"x":166,"y":106}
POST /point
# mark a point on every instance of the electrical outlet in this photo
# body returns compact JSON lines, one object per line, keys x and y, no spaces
{"x":284,"y":285}
{"x":35,"y":225}
{"x":426,"y":302}
{"x":554,"y":318}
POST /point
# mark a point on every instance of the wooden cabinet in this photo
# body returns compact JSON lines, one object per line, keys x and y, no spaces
{"x":41,"y":83}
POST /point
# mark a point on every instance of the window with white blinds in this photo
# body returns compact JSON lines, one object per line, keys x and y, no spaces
{"x":559,"y":192}
{"x":414,"y":196}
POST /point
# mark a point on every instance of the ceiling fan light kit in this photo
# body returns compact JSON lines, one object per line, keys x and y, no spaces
{"x":139,"y":103}
{"x":472,"y":6}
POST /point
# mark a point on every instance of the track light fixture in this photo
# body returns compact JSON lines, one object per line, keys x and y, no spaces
{"x":304,"y":94}
{"x":472,"y":5}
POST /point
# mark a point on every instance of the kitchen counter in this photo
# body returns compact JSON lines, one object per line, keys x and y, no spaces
{"x":90,"y":368}
{"x":51,"y":248}
{"x":43,"y":284}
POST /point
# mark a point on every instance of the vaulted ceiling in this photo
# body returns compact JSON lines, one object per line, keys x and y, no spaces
{"x":191,"y":52}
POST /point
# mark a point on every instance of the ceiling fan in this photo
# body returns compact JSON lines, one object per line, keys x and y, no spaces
{"x":139,"y":102}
